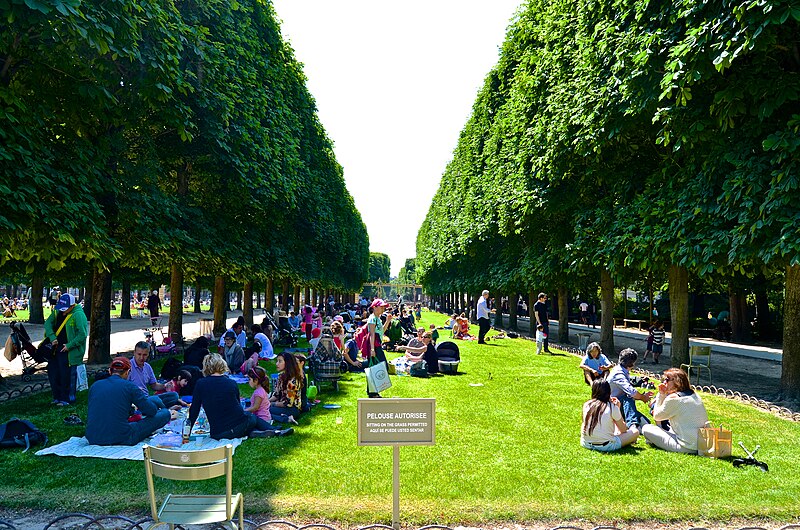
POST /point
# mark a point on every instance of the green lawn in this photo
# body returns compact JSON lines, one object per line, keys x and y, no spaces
{"x":23,"y":314}
{"x":505,"y":451}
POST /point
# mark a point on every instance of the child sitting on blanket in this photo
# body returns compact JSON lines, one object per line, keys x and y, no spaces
{"x":183,"y":378}
{"x":259,"y":401}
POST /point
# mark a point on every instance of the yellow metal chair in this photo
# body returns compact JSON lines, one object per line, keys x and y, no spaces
{"x":193,"y":465}
{"x":699,"y":358}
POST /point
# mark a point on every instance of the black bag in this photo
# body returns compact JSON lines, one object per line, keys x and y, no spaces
{"x":21,"y":433}
{"x":418,"y":369}
{"x":44,"y":353}
{"x":99,"y":375}
{"x":512,"y":335}
{"x":171,"y":368}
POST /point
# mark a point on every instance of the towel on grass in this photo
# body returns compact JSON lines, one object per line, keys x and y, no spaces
{"x":80,"y":447}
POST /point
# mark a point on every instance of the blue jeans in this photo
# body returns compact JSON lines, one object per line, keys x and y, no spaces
{"x":169,"y":398}
{"x":149,"y":424}
{"x":630,"y":413}
{"x":63,"y":378}
{"x":281,"y":414}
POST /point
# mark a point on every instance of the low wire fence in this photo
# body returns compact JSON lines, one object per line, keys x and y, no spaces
{"x":81,"y":521}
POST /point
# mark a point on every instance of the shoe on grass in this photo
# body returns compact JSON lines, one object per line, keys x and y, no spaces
{"x":285,"y":432}
{"x":268,"y":433}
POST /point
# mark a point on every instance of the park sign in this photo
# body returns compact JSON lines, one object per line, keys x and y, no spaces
{"x":397,"y":421}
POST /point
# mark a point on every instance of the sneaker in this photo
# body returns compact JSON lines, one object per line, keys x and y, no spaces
{"x":62,"y":404}
{"x":285,"y":432}
{"x":263,"y":434}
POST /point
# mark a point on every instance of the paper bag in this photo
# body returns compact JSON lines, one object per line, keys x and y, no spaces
{"x":714,"y":442}
{"x":83,"y":381}
{"x":377,"y":378}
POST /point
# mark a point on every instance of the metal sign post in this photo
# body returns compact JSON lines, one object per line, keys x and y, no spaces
{"x":396,"y":422}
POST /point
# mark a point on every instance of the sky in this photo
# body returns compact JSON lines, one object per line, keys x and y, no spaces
{"x":394,"y":85}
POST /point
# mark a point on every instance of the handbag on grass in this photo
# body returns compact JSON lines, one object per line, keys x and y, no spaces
{"x":714,"y":442}
{"x":377,"y":377}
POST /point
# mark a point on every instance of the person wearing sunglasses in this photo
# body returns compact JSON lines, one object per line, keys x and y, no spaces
{"x":682,"y":407}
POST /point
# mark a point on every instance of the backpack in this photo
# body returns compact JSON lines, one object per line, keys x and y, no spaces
{"x":21,"y":433}
{"x":171,"y":368}
{"x":361,"y":337}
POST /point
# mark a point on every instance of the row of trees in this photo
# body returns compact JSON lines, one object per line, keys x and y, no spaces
{"x":150,"y":140}
{"x":622,"y":140}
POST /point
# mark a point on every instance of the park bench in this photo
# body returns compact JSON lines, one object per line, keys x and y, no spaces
{"x":629,"y":322}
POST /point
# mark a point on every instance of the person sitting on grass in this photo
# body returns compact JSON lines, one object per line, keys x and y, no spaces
{"x":450,"y":323}
{"x":232,"y":352}
{"x":294,"y":321}
{"x":259,"y":402}
{"x":350,"y":356}
{"x":425,"y":352}
{"x":286,"y":400}
{"x":265,"y":351}
{"x":603,"y":428}
{"x":621,"y":388}
{"x":142,"y":375}
{"x":110,"y":402}
{"x":337,"y":330}
{"x":195,"y":353}
{"x":434,"y":334}
{"x":682,"y":407}
{"x":219,"y":397}
{"x":595,"y":365}
{"x":175,"y":385}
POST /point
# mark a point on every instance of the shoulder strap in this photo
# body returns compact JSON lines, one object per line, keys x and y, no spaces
{"x":63,"y":324}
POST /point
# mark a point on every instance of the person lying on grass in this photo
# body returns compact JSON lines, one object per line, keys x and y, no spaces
{"x":603,"y":428}
{"x":681,"y":413}
{"x":595,"y":365}
{"x":219,"y":397}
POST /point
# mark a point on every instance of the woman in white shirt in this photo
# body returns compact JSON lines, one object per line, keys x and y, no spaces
{"x":603,"y":426}
{"x":677,"y":403}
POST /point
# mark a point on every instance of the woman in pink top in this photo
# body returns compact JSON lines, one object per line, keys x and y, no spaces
{"x":259,"y":402}
{"x":308,"y":318}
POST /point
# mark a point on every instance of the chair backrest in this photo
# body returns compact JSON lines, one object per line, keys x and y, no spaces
{"x":700,"y":355}
{"x":202,"y":464}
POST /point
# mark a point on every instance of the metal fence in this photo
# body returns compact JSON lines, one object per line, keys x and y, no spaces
{"x":80,"y":521}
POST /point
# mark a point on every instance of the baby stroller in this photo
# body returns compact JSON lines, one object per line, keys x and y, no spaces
{"x":283,"y":335}
{"x":20,"y":345}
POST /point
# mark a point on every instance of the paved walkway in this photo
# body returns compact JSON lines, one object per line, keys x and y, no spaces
{"x":753,"y":370}
{"x":124,"y":334}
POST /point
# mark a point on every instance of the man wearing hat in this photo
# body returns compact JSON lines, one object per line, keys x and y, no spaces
{"x":110,"y":403}
{"x":239,"y":336}
{"x":67,"y":329}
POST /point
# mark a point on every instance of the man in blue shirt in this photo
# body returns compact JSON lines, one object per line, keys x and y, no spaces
{"x":621,"y":388}
{"x":110,"y":402}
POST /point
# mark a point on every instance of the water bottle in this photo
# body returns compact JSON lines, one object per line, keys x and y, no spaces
{"x":187,"y":429}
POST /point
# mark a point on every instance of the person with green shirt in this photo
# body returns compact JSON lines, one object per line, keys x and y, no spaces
{"x":67,"y":329}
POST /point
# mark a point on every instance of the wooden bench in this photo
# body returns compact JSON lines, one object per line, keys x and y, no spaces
{"x":631,"y":321}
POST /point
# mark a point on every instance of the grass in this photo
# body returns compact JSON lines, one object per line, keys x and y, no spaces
{"x":23,"y":315}
{"x":505,"y":451}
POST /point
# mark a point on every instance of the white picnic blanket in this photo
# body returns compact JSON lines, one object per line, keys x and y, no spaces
{"x":80,"y":447}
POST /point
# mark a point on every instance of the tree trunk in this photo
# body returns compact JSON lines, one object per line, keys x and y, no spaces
{"x":220,"y":326}
{"x":531,"y":316}
{"x":247,"y":304}
{"x":258,"y":299}
{"x":763,"y":318}
{"x":285,"y":296}
{"x":296,"y":298}
{"x":738,"y":314}
{"x":87,"y":294}
{"x":790,"y":367}
{"x":269,"y":298}
{"x":306,"y":299}
{"x":100,"y":326}
{"x":35,"y":301}
{"x":176,"y":301}
{"x":498,"y":316}
{"x":239,"y":300}
{"x":126,"y":300}
{"x":607,"y":313}
{"x":679,"y":312}
{"x":563,"y":316}
{"x":512,"y":311}
{"x":197,"y":308}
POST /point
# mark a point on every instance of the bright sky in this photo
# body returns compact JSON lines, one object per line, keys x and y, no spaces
{"x":394,"y":84}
